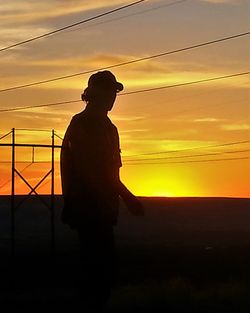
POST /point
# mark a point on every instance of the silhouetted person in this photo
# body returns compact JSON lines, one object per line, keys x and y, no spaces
{"x":90,"y":163}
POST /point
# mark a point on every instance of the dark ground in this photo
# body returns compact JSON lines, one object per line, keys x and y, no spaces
{"x":185,"y":255}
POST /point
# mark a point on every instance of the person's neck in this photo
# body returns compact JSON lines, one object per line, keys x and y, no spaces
{"x":90,"y":108}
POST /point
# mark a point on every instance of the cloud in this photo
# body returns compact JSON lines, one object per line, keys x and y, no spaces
{"x":43,"y":68}
{"x":231,"y":127}
{"x":127,"y":118}
{"x":10,"y":36}
{"x":156,"y":72}
{"x":206,"y":120}
{"x":134,"y":130}
{"x":136,"y":146}
{"x":37,"y":11}
{"x":221,"y":1}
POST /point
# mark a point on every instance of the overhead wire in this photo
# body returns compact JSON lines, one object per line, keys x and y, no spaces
{"x":70,"y":26}
{"x":189,"y":161}
{"x":15,"y":175}
{"x":196,"y":107}
{"x":172,"y":162}
{"x":134,"y":14}
{"x":138,"y":161}
{"x":194,"y":148}
{"x":170,"y":151}
{"x":184,"y":84}
{"x":129,"y":93}
{"x":188,"y":156}
{"x":127,"y":62}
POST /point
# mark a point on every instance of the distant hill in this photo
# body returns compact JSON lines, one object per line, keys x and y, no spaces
{"x":172,"y":222}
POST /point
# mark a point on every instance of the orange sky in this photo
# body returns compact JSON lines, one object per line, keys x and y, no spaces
{"x":197,"y":116}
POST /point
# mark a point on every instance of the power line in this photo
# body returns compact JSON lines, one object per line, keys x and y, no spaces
{"x":39,"y":106}
{"x":137,"y":13}
{"x":184,"y":84}
{"x":191,"y":161}
{"x":141,"y":161}
{"x":194,"y":148}
{"x":71,"y":25}
{"x":188,"y":156}
{"x":7,"y":182}
{"x":131,"y":92}
{"x":126,"y":63}
{"x":150,"y":163}
{"x":171,"y":151}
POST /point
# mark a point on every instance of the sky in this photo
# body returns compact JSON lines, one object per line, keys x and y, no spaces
{"x":183,"y":141}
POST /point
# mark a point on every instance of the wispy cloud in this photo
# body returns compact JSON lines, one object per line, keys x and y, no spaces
{"x":34,"y":11}
{"x":127,"y":117}
{"x":129,"y":131}
{"x":231,"y":127}
{"x":153,"y":145}
{"x":206,"y":120}
{"x":156,"y":72}
{"x":10,"y":36}
{"x":221,"y":1}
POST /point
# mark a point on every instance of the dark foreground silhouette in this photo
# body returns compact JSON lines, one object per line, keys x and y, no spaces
{"x":185,"y":255}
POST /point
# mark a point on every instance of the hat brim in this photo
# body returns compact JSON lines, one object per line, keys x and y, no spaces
{"x":119,"y":86}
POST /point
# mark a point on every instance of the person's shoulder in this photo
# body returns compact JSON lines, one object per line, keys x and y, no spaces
{"x":76,"y":124}
{"x":79,"y":116}
{"x":79,"y":119}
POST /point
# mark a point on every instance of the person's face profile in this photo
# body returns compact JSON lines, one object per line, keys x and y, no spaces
{"x":107,"y":97}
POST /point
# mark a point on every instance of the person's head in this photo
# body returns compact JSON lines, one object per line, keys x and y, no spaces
{"x":101,"y":91}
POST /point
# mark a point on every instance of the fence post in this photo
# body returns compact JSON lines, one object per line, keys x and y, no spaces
{"x":12,"y":210}
{"x":53,"y":193}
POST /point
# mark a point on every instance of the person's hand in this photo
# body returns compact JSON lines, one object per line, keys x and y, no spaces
{"x":134,"y":205}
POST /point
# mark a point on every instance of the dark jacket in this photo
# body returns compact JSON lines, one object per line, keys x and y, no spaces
{"x":90,"y":162}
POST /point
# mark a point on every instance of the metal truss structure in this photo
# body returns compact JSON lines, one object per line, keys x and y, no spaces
{"x":33,"y":189}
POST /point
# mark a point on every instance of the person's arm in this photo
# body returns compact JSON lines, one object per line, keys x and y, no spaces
{"x":65,"y":165}
{"x":131,"y":201}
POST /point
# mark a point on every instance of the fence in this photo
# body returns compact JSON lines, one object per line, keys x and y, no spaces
{"x":33,"y":190}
